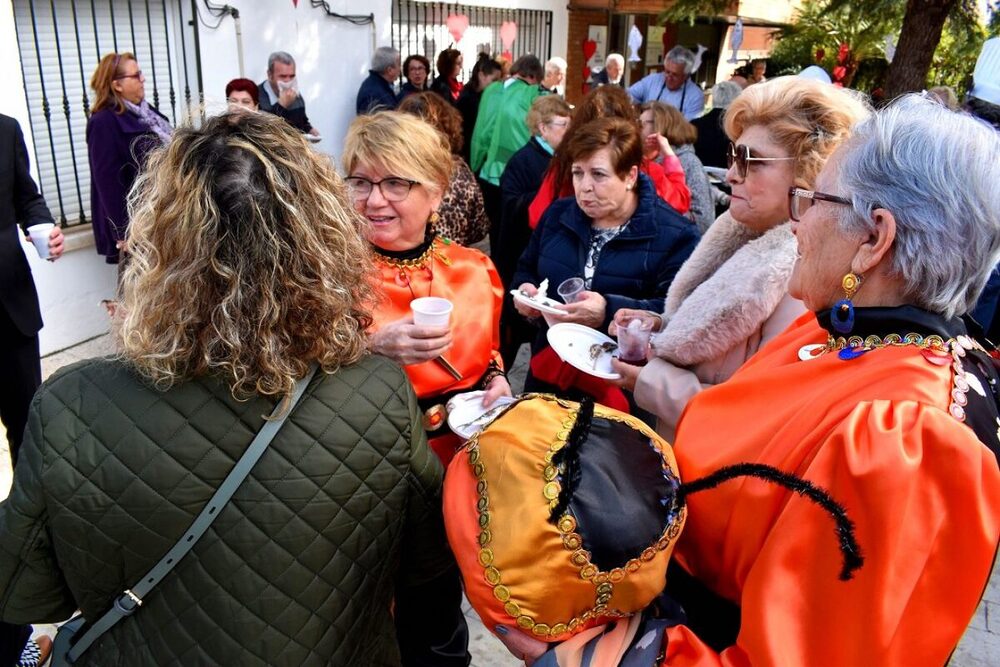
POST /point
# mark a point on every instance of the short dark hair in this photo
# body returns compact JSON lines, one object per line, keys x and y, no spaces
{"x":528,"y":66}
{"x":419,"y":58}
{"x":617,"y":134}
{"x":243,"y":86}
{"x":446,"y":61}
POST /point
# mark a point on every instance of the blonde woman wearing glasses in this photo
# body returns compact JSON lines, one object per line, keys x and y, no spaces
{"x":398,"y":168}
{"x":123,"y":128}
{"x":730,"y":297}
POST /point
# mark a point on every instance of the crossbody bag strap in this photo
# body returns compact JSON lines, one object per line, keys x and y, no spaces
{"x":126,"y":603}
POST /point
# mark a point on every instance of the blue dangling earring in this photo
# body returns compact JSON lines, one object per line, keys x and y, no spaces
{"x":842,"y":316}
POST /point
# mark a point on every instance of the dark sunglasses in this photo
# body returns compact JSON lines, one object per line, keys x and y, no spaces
{"x":740,"y":156}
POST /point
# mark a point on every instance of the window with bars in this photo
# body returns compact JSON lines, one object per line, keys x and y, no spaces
{"x":421,"y":28}
{"x":60,"y":44}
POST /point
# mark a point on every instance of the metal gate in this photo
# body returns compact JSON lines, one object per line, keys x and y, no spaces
{"x":60,"y":44}
{"x":421,"y":28}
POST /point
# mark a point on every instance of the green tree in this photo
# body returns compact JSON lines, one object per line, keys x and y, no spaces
{"x":937,"y":40}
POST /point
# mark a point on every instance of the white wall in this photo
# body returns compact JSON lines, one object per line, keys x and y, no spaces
{"x":70,"y":289}
{"x":332,"y":56}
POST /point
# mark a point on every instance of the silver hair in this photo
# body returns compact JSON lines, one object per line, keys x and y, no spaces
{"x":679,"y":54}
{"x":937,"y":172}
{"x":616,"y":57}
{"x":282,"y":57}
{"x":384,"y":58}
{"x":556,"y":64}
{"x":723,"y":94}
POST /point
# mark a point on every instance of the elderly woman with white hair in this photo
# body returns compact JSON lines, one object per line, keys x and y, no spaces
{"x":880,"y":395}
{"x":613,"y":72}
{"x":880,"y":398}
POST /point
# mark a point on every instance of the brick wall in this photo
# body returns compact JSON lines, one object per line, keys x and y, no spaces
{"x":580,"y":21}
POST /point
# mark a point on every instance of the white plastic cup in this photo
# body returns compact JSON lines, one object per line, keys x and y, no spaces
{"x":40,"y":238}
{"x":431,"y":311}
{"x":570,"y":289}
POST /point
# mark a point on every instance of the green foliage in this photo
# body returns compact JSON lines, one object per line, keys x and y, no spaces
{"x":688,"y":10}
{"x":863,"y":25}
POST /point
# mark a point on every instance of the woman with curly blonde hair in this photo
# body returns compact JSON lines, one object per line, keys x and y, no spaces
{"x":248,"y":268}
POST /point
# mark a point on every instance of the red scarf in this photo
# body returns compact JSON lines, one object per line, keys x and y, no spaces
{"x":456,"y":87}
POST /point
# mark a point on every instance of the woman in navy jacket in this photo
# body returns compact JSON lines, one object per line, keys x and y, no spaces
{"x":123,"y":128}
{"x":615,"y":233}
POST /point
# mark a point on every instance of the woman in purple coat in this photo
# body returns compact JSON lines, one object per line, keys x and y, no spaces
{"x":123,"y":128}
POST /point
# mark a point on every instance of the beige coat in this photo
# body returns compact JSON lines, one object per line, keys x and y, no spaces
{"x":727,"y":301}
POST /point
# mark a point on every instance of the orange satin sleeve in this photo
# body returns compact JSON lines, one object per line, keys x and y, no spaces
{"x":468,"y":279}
{"x":924,"y":494}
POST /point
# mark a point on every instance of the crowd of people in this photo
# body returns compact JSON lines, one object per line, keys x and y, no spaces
{"x":821,"y":329}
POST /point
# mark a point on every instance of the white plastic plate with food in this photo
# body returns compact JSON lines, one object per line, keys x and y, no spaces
{"x":584,"y":348}
{"x":467,"y":416}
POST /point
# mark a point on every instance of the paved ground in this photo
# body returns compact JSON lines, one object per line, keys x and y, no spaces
{"x":979,"y":648}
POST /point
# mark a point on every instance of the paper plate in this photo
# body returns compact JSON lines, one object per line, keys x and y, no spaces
{"x":545,"y":305}
{"x":467,"y":416}
{"x":573,"y":343}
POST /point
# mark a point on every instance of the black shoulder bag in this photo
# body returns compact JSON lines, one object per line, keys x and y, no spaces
{"x":69,"y":645}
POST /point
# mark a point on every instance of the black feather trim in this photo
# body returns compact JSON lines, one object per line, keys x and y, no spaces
{"x":849,"y":548}
{"x":568,"y":458}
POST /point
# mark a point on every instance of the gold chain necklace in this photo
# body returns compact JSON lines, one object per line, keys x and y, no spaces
{"x":423,"y":262}
{"x":935,"y":349}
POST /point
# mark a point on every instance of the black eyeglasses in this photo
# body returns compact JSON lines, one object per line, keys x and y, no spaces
{"x":799,"y":201}
{"x":740,"y":156}
{"x":137,"y":75}
{"x":392,"y":188}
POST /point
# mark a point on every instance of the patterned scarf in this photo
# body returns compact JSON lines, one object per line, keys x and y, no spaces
{"x":154,"y":121}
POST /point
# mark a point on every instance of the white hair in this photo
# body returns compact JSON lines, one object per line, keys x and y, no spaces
{"x":937,"y":172}
{"x":556,"y":64}
{"x":723,"y":94}
{"x":384,"y":58}
{"x":615,"y":57}
{"x":679,"y":54}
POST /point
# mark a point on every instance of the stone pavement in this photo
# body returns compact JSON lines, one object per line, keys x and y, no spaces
{"x":980,"y":647}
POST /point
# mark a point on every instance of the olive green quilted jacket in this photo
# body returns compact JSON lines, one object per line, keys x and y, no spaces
{"x":340,"y":515}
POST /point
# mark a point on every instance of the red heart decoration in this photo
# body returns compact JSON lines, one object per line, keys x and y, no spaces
{"x":589,"y":49}
{"x":457,"y":25}
{"x":508,"y":56}
{"x":296,"y":3}
{"x":508,"y":33}
{"x":839,"y":73}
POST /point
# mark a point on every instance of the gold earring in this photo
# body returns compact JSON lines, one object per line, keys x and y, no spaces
{"x":433,"y":220}
{"x":842,"y":315}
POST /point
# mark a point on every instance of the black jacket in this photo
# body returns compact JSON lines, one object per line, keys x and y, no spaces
{"x":710,"y":147}
{"x":518,"y":187}
{"x":294,"y":115}
{"x":20,"y":205}
{"x":375,"y":94}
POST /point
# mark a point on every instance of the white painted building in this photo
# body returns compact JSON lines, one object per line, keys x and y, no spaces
{"x":332,"y":55}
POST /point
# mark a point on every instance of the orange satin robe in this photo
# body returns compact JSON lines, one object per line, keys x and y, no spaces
{"x":922,"y":490}
{"x":468,"y":279}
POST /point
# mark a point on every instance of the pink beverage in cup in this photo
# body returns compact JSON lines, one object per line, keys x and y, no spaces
{"x":570,"y":289}
{"x":633,"y":341}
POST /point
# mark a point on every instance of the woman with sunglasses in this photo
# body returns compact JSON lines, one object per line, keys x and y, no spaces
{"x":122,"y":130}
{"x":730,"y":297}
{"x":398,"y":168}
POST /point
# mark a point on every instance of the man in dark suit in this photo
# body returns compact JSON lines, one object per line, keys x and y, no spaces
{"x":20,"y":318}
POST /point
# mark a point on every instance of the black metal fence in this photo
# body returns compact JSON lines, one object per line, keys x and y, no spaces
{"x":421,"y":28}
{"x":61,"y":42}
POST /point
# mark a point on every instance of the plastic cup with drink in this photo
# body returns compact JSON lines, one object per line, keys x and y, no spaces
{"x":569,"y":289}
{"x":633,"y":341}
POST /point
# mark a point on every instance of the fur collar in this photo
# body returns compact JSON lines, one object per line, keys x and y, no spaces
{"x":728,"y":287}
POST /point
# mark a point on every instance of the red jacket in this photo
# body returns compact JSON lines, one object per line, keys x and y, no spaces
{"x":668,"y":180}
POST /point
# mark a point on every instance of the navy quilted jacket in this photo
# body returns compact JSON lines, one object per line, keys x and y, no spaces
{"x":336,"y":531}
{"x":635,"y":268}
